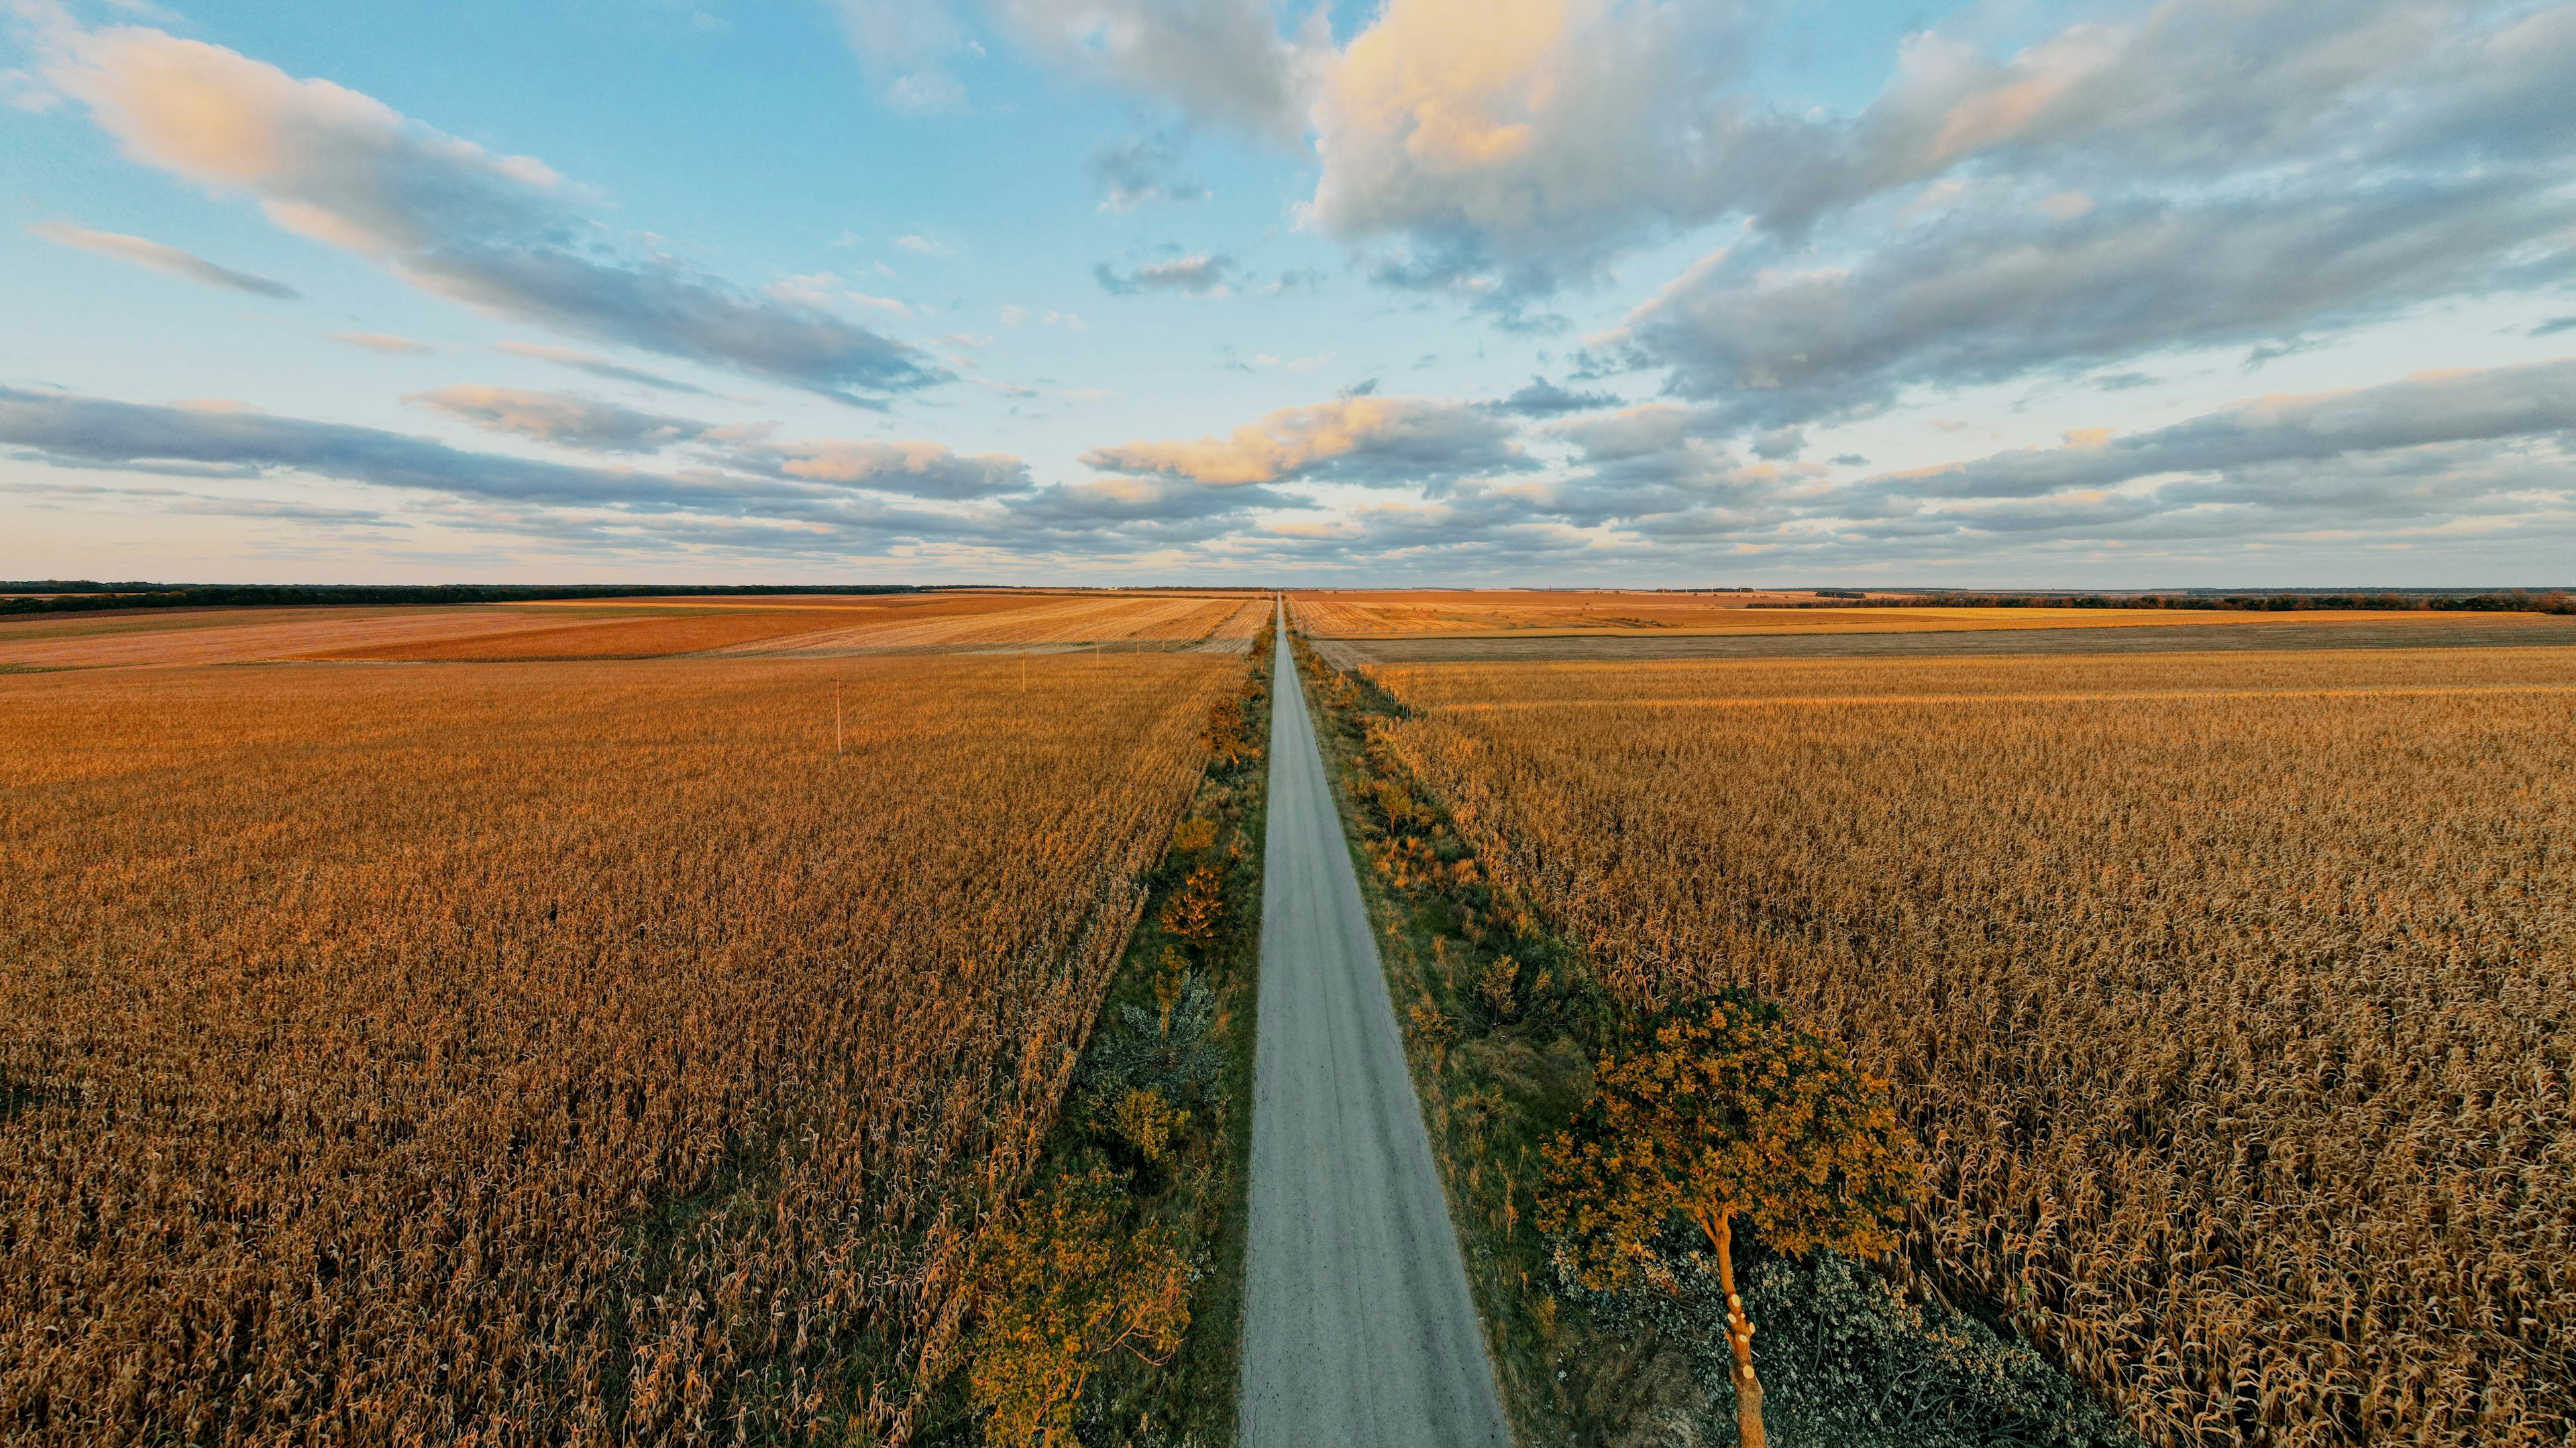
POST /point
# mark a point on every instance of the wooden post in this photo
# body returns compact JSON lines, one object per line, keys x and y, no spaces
{"x":836,"y":718}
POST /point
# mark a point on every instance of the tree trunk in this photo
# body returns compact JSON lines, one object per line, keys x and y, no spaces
{"x":1739,"y":1336}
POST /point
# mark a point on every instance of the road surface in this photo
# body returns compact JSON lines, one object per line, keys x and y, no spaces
{"x":1358,"y":1327}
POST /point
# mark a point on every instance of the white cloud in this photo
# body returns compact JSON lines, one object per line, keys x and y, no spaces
{"x":503,"y":234}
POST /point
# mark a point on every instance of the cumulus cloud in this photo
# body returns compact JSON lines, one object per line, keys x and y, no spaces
{"x":559,"y":418}
{"x":502,"y":234}
{"x":1200,"y":275}
{"x":168,"y":260}
{"x":1524,"y":141}
{"x":1375,"y":441}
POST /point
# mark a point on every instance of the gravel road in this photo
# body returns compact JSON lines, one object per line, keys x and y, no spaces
{"x":1358,"y":1325}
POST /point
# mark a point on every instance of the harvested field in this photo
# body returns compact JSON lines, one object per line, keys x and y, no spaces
{"x":1507,"y":614}
{"x":249,"y":635}
{"x":548,"y":1053}
{"x":819,"y":625}
{"x":2183,"y":635}
{"x":2233,"y":996}
{"x":613,"y":638}
{"x":1036,"y":621}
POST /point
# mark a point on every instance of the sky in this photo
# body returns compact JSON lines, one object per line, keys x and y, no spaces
{"x":1430,"y":292}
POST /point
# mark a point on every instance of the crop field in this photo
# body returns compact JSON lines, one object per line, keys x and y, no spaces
{"x":1358,"y":615}
{"x":819,"y":625}
{"x":2233,"y":997}
{"x":544,"y":1053}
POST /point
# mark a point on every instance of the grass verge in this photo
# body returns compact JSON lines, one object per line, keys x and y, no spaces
{"x":1501,"y":1022}
{"x":1161,"y":1110}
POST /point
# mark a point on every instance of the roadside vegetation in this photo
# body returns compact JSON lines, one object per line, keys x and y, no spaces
{"x":1609,"y":1320}
{"x":1108,"y":1310}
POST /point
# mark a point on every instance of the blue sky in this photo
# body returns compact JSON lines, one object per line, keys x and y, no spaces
{"x":1439,"y":291}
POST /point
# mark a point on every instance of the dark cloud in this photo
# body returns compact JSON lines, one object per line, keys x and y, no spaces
{"x":502,"y":234}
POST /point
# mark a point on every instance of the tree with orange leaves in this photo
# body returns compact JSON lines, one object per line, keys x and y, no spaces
{"x":1717,"y":1110}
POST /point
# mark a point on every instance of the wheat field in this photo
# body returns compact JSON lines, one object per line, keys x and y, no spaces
{"x":555,"y":1053}
{"x":2233,"y":997}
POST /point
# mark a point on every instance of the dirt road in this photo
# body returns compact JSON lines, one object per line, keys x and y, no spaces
{"x":1358,"y":1326}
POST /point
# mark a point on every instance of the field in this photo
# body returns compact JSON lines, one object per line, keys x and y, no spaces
{"x":542,"y":1053}
{"x":2233,"y":997}
{"x":1501,"y":613}
{"x":813,"y":626}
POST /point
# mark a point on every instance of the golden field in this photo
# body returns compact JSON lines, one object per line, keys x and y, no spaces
{"x":572,"y":1052}
{"x":2233,"y":997}
{"x":810,"y":625}
{"x":1506,"y":612}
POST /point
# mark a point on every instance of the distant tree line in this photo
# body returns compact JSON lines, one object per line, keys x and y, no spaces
{"x":76,"y":596}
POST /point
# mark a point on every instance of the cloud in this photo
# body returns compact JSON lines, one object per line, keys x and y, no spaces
{"x":168,"y":260}
{"x":1137,"y":170}
{"x":905,"y":46}
{"x":811,"y":500}
{"x":1510,"y":145}
{"x":1542,"y":398}
{"x":919,"y":469}
{"x":502,"y":234}
{"x":1197,"y":276}
{"x":1373,"y":441}
{"x":385,"y":342}
{"x":596,"y":366}
{"x":1218,"y":61}
{"x":74,"y":430}
{"x":559,"y":418}
{"x":1982,"y":296}
{"x":2426,"y":409}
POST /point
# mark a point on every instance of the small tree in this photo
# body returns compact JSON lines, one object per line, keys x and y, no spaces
{"x":1722,"y":1109}
{"x":1064,"y":1283}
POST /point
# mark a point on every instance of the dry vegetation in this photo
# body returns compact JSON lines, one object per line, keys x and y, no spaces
{"x":576,"y":1053}
{"x":1503,"y":612}
{"x":2230,"y":995}
{"x":815,"y":625}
